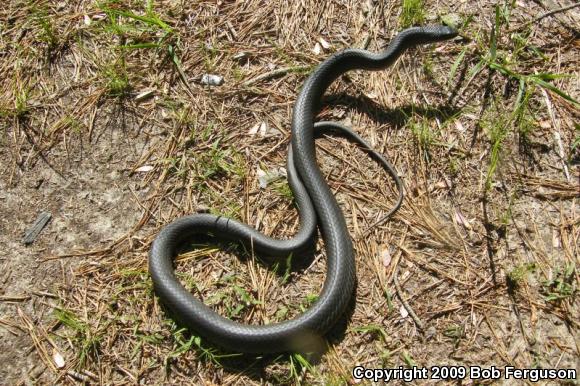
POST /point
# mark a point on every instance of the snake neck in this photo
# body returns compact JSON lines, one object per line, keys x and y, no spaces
{"x":309,"y":100}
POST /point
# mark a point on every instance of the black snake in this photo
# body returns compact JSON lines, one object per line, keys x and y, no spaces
{"x":317,"y":206}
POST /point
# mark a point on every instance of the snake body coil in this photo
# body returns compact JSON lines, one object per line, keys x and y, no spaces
{"x":316,"y":204}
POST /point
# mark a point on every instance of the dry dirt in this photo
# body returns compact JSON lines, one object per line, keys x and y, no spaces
{"x":484,"y":250}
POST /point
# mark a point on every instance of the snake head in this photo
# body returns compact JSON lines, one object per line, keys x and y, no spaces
{"x":423,"y":35}
{"x":447,"y":32}
{"x":434,"y":33}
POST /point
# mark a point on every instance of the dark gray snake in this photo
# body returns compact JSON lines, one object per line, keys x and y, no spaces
{"x":317,"y":206}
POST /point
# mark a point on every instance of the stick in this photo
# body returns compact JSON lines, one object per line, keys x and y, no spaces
{"x":275,"y":73}
{"x":412,"y":313}
{"x":545,"y":15}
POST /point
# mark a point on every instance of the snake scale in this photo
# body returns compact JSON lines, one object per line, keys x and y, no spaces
{"x":317,"y":208}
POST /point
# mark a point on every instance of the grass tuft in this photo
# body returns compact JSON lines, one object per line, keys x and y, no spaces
{"x":47,"y":31}
{"x":412,"y":14}
{"x":519,"y":274}
{"x":86,"y":341}
{"x":116,"y":80}
{"x":562,"y":286}
{"x":424,"y":136}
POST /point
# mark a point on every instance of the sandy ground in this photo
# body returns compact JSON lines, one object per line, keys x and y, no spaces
{"x":116,"y":138}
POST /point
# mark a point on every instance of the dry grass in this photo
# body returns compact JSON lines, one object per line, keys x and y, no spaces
{"x":105,"y":122}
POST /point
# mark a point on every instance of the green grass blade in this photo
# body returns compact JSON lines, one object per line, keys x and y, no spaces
{"x":475,"y":70}
{"x":554,"y":89}
{"x":177,"y":62}
{"x":547,"y":76}
{"x":456,"y":65}
{"x":151,"y":20}
{"x":504,"y":70}
{"x":139,"y":46}
{"x":494,"y":34}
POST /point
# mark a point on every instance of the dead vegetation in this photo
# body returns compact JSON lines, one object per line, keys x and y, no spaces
{"x":105,"y":122}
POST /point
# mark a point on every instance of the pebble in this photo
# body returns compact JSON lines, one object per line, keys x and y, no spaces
{"x":212,"y":80}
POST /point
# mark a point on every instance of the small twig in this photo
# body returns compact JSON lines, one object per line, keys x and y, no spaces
{"x":6,"y":323}
{"x":557,"y":135}
{"x":36,"y":340}
{"x":275,"y":73}
{"x":45,"y":294}
{"x":8,"y":298}
{"x":545,"y":15}
{"x":412,"y":313}
{"x":375,"y":224}
{"x":554,"y":11}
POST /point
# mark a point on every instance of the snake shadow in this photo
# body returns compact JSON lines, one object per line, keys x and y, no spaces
{"x":396,"y":117}
{"x":255,"y":366}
